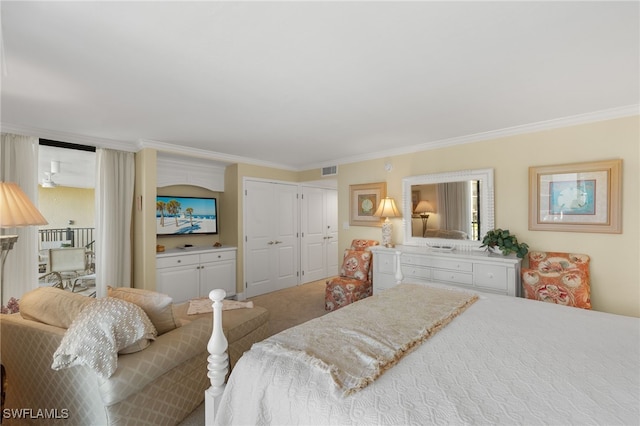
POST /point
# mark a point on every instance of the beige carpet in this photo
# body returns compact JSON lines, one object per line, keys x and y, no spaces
{"x":294,"y":305}
{"x":287,"y":308}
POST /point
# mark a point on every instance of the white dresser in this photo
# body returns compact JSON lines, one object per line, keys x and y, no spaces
{"x":477,"y":270}
{"x":185,"y":274}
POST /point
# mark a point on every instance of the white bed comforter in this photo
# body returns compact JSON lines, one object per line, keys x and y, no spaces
{"x":503,"y":361}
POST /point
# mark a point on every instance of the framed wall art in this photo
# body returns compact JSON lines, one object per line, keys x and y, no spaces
{"x":363,"y":202}
{"x":579,"y":197}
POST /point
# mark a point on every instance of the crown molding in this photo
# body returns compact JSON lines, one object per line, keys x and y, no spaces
{"x":210,"y":155}
{"x":133,"y":146}
{"x":574,"y":120}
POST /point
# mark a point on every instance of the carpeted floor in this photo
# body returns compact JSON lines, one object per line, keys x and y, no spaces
{"x":287,"y":308}
{"x":294,"y":305}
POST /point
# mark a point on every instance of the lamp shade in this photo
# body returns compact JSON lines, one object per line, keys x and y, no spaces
{"x":387,"y":208}
{"x":16,"y":210}
{"x":424,"y":206}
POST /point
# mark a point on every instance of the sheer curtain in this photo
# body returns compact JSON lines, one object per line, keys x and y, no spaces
{"x":115,"y":176}
{"x":455,"y":194}
{"x":19,"y":164}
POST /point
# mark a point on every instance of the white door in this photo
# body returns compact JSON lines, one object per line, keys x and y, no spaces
{"x":319,"y":233}
{"x":333,"y":259}
{"x":271,"y":242}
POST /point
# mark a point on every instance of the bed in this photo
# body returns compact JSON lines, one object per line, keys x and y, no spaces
{"x":502,"y":360}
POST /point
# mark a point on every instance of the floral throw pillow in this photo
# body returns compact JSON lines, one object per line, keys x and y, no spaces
{"x":355,"y":264}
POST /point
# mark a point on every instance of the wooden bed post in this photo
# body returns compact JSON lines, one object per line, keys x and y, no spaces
{"x":218,"y":360}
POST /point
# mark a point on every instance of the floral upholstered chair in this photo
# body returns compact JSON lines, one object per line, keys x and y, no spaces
{"x":561,"y":278}
{"x":354,"y":282}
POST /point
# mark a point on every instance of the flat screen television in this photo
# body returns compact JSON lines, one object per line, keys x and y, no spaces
{"x":186,"y":215}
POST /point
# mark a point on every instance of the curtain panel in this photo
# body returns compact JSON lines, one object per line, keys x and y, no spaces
{"x":115,"y":177}
{"x":456,"y":194}
{"x":19,"y":164}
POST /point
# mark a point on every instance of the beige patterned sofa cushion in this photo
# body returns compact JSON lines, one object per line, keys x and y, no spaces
{"x":52,"y":306}
{"x":159,"y":385}
{"x":158,"y":306}
{"x":99,"y":332}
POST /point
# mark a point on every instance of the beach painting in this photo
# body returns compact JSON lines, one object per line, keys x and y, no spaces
{"x":186,"y":215}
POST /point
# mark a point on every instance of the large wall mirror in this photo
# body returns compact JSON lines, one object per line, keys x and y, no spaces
{"x":453,"y":209}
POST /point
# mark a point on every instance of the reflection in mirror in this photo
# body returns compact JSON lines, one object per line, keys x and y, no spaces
{"x":453,"y":209}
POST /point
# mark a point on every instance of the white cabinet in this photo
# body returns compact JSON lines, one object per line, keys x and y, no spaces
{"x":191,"y":273}
{"x":477,"y":270}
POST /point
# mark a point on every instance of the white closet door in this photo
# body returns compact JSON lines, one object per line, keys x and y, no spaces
{"x":271,"y":229}
{"x":313,"y":241}
{"x":319,"y":242}
{"x":286,"y":245}
{"x":333,"y":259}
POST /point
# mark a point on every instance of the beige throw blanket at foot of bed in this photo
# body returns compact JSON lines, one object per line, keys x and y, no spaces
{"x":357,"y":343}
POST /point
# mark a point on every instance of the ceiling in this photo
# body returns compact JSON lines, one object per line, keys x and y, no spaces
{"x":300,"y":85}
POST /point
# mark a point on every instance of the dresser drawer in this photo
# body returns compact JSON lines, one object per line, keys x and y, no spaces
{"x":216,"y":256}
{"x":412,"y":259}
{"x":453,"y":277}
{"x":454,"y":265}
{"x":416,"y":272}
{"x":168,"y":262}
{"x":492,"y":277}
{"x":384,"y":263}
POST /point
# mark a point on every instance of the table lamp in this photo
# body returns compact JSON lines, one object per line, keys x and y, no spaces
{"x":16,"y":210}
{"x":387,"y":208}
{"x":423,"y":208}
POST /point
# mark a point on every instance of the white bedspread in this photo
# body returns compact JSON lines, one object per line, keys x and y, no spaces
{"x":503,"y":361}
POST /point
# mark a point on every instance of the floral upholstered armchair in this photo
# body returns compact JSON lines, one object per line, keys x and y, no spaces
{"x":354,"y":282}
{"x":561,"y":278}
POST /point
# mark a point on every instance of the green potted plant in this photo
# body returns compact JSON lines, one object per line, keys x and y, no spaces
{"x":503,"y":240}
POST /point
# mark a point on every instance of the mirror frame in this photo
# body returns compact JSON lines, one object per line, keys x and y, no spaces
{"x":485,"y":176}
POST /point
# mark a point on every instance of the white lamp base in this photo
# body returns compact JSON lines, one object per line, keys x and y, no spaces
{"x":387,"y":229}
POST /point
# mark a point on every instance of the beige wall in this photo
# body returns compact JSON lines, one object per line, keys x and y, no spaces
{"x":615,"y":257}
{"x":144,"y":224}
{"x":61,"y":204}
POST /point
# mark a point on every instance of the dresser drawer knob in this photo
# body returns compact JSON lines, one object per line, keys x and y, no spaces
{"x":179,"y":261}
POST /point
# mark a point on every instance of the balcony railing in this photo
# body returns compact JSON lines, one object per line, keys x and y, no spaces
{"x":77,"y":237}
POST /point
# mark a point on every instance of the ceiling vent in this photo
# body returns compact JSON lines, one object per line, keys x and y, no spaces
{"x":330,"y":171}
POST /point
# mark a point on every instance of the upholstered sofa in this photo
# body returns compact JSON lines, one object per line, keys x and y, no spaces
{"x":158,"y":380}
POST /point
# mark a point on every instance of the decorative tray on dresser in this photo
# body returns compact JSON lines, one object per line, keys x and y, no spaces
{"x":473,"y":269}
